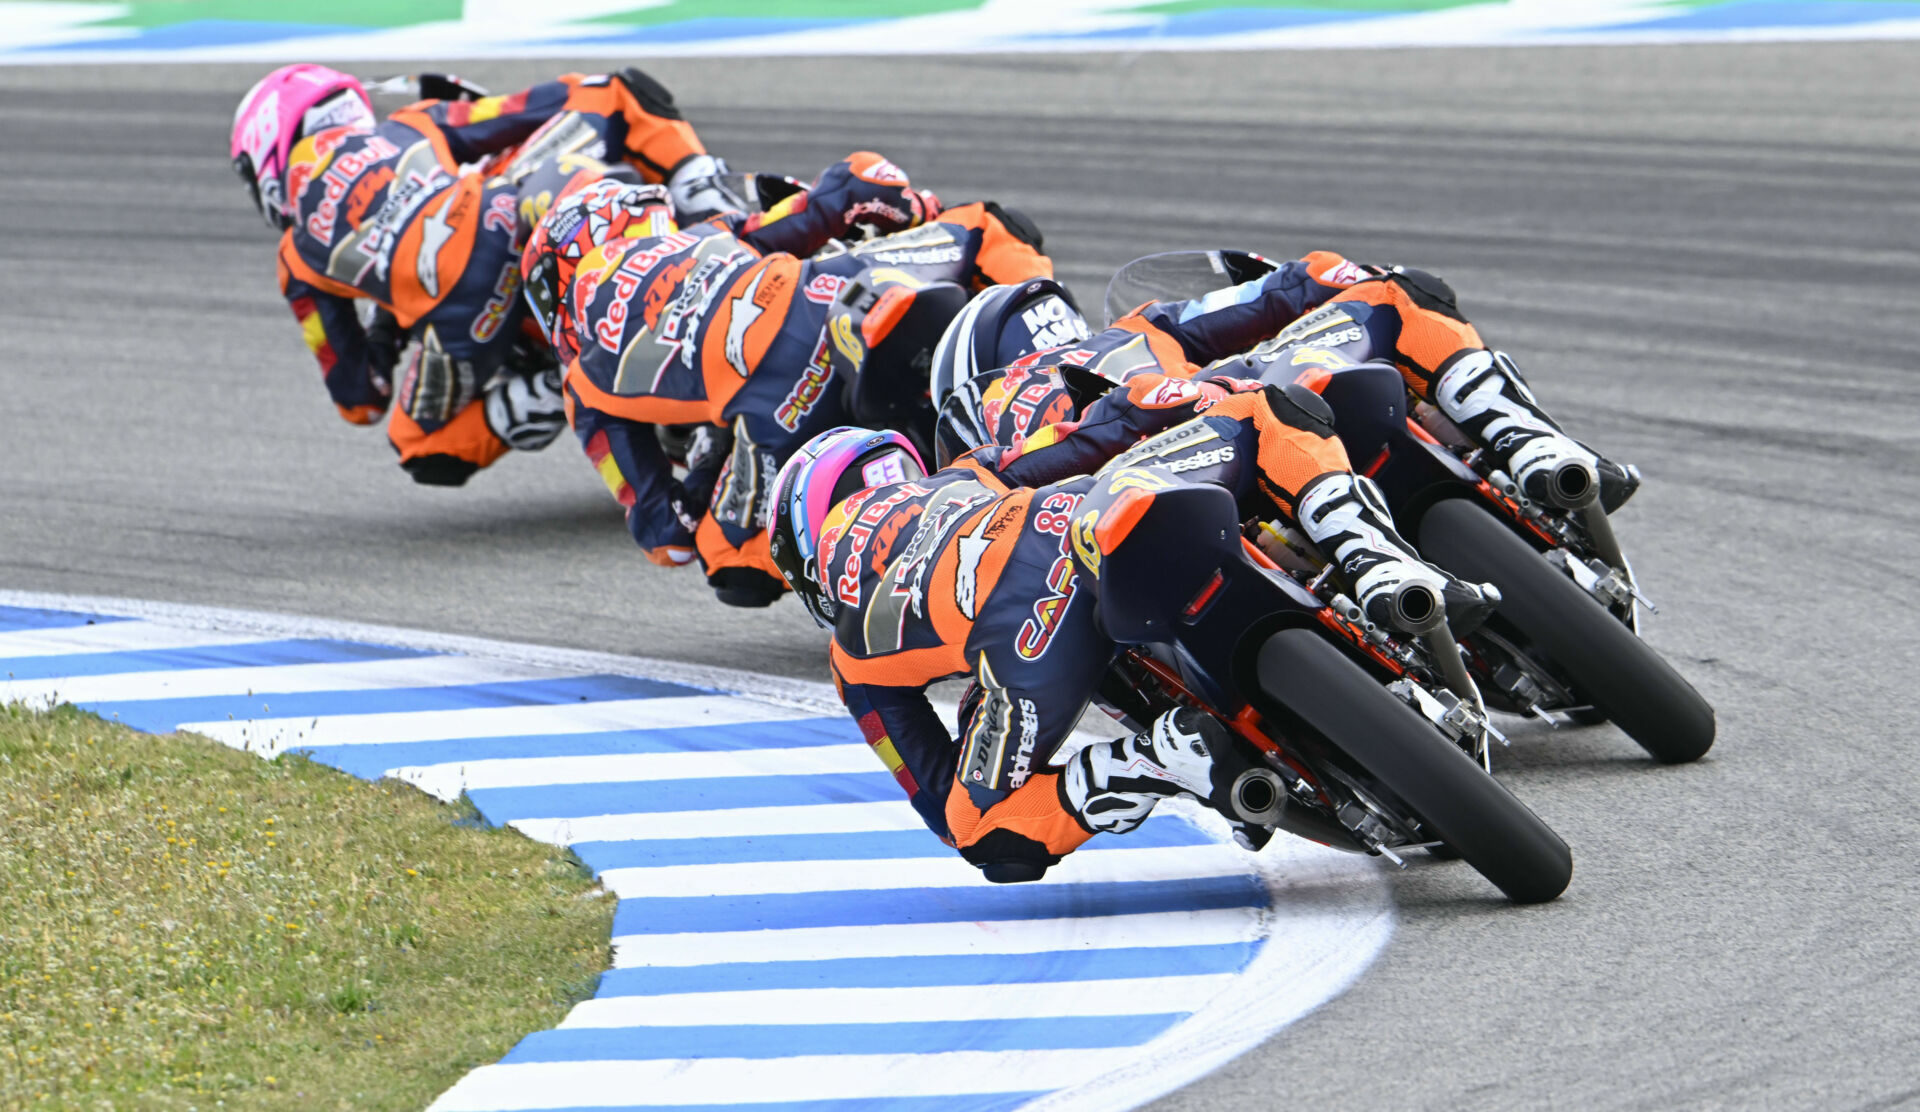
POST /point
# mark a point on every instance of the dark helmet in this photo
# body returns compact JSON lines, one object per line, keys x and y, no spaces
{"x":998,"y":327}
{"x":826,"y":471}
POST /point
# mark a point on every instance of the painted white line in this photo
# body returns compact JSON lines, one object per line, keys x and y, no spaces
{"x":821,"y":818}
{"x":286,"y":679}
{"x":275,"y":735}
{"x":110,"y":637}
{"x":448,"y":780}
{"x":499,"y":1088}
{"x":766,"y":877}
{"x":918,"y":1004}
{"x":1004,"y":936}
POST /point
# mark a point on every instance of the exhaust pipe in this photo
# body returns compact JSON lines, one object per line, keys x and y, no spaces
{"x":1258,"y":797}
{"x":1572,"y":485}
{"x":1415,"y":608}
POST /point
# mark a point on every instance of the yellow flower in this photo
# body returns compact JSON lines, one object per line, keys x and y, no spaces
{"x":410,"y":872}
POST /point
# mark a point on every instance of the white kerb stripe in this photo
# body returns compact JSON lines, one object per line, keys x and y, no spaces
{"x":501,"y":1088}
{"x":1211,"y":927}
{"x":916,"y":1004}
{"x":274,"y":735}
{"x":448,"y":780}
{"x":285,"y":679}
{"x":818,"y":818}
{"x":949,"y":871}
{"x":111,"y":637}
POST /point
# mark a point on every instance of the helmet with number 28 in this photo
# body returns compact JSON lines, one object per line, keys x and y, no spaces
{"x":594,"y":215}
{"x":286,"y":106}
{"x":828,"y":470}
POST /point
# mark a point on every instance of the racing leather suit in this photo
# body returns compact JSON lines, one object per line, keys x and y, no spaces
{"x":396,"y":215}
{"x":724,"y":324}
{"x":975,"y":571}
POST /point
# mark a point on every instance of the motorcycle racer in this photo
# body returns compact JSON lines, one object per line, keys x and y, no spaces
{"x":993,"y":568}
{"x":388,"y":212}
{"x":1303,"y":322}
{"x":762,"y":328}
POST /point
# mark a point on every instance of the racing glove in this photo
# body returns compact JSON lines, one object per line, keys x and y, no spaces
{"x":527,"y":410}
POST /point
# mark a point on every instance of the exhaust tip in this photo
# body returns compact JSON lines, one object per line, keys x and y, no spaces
{"x":1258,"y":797}
{"x":1573,"y":485}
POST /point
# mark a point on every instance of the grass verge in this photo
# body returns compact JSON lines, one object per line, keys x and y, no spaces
{"x":187,"y":926}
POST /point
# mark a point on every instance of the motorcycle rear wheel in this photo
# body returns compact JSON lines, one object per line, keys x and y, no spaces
{"x":1402,"y":754}
{"x":1621,"y":675}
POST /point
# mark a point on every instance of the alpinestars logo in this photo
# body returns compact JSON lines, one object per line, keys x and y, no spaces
{"x":745,"y":313}
{"x":434,"y":234}
{"x":1222,"y":454}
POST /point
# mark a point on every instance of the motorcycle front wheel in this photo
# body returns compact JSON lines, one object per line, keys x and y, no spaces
{"x":1605,"y":662}
{"x":1403,"y":758}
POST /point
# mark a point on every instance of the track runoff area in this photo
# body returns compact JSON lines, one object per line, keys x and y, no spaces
{"x":789,"y":935}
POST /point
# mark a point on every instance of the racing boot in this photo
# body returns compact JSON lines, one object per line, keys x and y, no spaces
{"x":1483,"y":393}
{"x":1112,"y":786}
{"x":701,"y":190}
{"x":1346,"y":516}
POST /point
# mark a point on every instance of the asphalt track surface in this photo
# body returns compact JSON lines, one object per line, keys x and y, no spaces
{"x":1705,"y":257}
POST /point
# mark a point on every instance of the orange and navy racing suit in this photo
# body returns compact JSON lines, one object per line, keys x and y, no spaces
{"x":724,"y":324}
{"x":975,"y":571}
{"x":1307,"y":320}
{"x":396,"y":215}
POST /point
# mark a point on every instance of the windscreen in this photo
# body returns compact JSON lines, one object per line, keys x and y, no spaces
{"x":1178,"y":276}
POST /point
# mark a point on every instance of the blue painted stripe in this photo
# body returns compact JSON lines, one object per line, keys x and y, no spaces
{"x":201,"y":33}
{"x":717,"y":793}
{"x":164,"y":714}
{"x":1225,"y":20}
{"x":865,"y":845}
{"x":589,"y":1044}
{"x":24,"y":617}
{"x":1122,"y":963}
{"x":967,"y":1102}
{"x":247,"y":654}
{"x":869,"y":907}
{"x":715,"y":30}
{"x":373,"y":761}
{"x":1753,"y":14}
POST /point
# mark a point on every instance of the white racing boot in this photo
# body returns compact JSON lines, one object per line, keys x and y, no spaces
{"x":1347,"y":517}
{"x":1112,"y":786}
{"x":1483,"y":393}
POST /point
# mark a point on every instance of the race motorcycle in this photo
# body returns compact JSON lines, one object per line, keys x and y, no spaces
{"x":1564,"y":643}
{"x":1367,"y":730}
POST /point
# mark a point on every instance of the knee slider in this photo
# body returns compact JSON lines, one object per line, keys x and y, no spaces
{"x":1018,"y":224}
{"x":652,"y":95}
{"x":440,"y":470}
{"x":1300,"y":408}
{"x":1428,"y":290}
{"x":1005,"y":857}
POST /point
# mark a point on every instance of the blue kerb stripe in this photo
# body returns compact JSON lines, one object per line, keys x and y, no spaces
{"x":165,"y":714}
{"x":718,"y":793}
{"x":374,"y":760}
{"x":966,"y":1102}
{"x":247,"y":654}
{"x":712,"y":29}
{"x":1122,"y":963}
{"x":22,"y":617}
{"x":863,"y":846}
{"x":1752,"y":14}
{"x":207,"y":32}
{"x":577,"y":1044}
{"x":875,"y":907}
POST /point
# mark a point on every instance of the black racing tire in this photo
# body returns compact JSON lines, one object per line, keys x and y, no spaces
{"x":1606,"y":663}
{"x":1401,"y":755}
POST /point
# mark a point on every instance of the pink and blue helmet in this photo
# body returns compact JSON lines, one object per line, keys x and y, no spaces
{"x":825,"y":472}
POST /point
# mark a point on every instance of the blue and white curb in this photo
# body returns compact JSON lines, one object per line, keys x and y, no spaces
{"x":788,"y":935}
{"x":138,"y":31}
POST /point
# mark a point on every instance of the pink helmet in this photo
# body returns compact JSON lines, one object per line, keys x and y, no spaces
{"x":826,"y":471}
{"x":287,"y":105}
